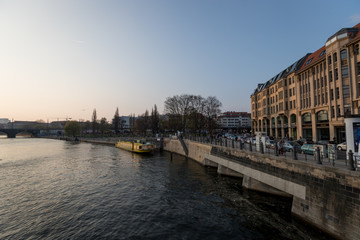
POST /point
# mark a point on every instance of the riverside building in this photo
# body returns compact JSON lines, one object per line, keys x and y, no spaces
{"x":234,"y":120}
{"x":310,"y":98}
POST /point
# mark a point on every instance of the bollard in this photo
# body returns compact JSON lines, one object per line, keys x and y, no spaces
{"x":294,"y":152}
{"x":276,"y":148}
{"x":317,"y":150}
{"x":250,"y":146}
{"x":351,"y":161}
{"x":262,"y":147}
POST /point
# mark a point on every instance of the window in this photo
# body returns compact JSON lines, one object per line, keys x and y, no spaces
{"x":322,"y":53}
{"x":322,"y":116}
{"x":332,"y":112}
{"x":293,"y":79}
{"x":343,"y":54}
{"x":294,"y":104}
{"x":290,"y":93}
{"x":346,"y":91}
{"x":309,"y":61}
{"x":294,"y":91}
{"x":358,"y":68}
{"x":356,"y":50}
{"x":337,"y":93}
{"x":338,"y":110}
{"x":289,"y":81}
{"x":329,"y":60}
{"x":330,"y":76}
{"x":315,"y":98}
{"x":347,"y":110}
{"x":306,"y":118}
{"x":335,"y":57}
{"x":290,"y":104}
{"x":286,"y":94}
{"x":331,"y":94}
{"x":326,"y":97}
{"x":336,"y":74}
{"x":344,"y":71}
{"x":285,"y":82}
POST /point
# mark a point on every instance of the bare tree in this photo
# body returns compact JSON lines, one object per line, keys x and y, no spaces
{"x":142,"y":123}
{"x":181,"y":107}
{"x":212,"y":110}
{"x":103,"y":126}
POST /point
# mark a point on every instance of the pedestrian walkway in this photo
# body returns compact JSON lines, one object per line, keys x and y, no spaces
{"x":340,"y":162}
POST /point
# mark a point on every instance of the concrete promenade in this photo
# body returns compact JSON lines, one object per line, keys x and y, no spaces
{"x":340,"y":162}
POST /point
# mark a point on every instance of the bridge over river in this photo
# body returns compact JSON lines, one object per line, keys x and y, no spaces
{"x":11,"y":133}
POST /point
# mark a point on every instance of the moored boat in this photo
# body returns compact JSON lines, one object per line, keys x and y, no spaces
{"x":138,"y":146}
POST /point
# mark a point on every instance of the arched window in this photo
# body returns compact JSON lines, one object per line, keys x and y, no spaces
{"x":322,"y":116}
{"x":306,"y":118}
{"x":293,"y":118}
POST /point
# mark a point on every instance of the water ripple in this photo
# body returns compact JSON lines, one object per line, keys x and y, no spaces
{"x":60,"y":190}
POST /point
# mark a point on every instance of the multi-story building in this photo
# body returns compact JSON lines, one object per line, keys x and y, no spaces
{"x":310,"y":98}
{"x":234,"y":120}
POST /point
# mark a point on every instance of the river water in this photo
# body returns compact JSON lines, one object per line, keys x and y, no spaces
{"x":52,"y":189}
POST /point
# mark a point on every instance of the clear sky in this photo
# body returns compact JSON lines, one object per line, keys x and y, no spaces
{"x":62,"y":59}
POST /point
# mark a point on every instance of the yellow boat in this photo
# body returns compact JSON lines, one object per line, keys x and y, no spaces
{"x":139,"y":146}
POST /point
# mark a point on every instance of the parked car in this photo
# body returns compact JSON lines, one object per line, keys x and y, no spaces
{"x":307,"y":149}
{"x":250,"y":139}
{"x":341,"y":146}
{"x":269,"y":144}
{"x":324,"y":142}
{"x":289,"y":147}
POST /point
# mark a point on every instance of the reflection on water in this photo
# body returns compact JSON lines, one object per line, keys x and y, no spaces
{"x":61,"y":190}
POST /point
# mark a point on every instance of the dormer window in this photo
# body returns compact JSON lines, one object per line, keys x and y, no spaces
{"x":309,"y":61}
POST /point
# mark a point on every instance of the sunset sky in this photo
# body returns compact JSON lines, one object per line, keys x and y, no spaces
{"x":62,"y":59}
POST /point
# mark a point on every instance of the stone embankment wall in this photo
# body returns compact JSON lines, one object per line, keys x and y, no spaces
{"x":326,"y":197}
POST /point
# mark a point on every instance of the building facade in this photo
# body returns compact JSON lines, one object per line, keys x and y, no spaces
{"x":310,"y":98}
{"x":234,"y":120}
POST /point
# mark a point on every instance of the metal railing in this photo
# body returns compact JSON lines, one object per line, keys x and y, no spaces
{"x":295,"y":153}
